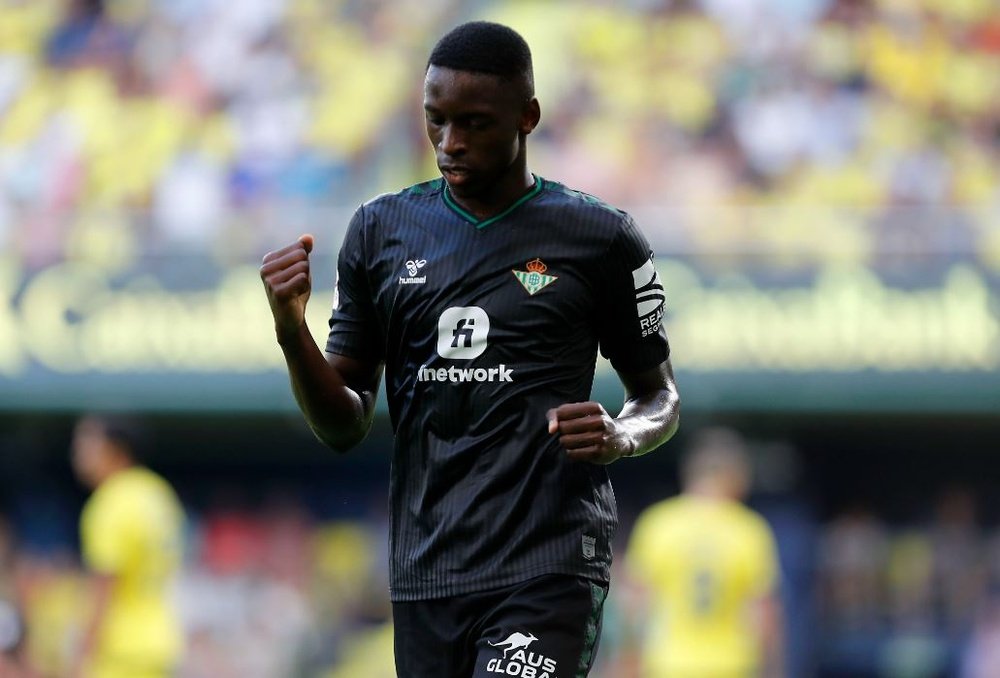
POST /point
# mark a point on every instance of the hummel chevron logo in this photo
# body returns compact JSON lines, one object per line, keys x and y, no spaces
{"x":413,"y":267}
{"x":534,"y":279}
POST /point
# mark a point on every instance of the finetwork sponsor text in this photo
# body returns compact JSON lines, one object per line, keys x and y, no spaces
{"x":454,"y":374}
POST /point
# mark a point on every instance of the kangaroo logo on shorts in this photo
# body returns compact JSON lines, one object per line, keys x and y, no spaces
{"x":515,"y":641}
{"x":462,"y":332}
{"x":520,"y":661}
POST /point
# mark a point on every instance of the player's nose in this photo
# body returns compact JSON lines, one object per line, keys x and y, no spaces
{"x":452,"y":141}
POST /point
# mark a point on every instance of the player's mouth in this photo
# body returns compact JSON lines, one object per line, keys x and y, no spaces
{"x":455,"y":175}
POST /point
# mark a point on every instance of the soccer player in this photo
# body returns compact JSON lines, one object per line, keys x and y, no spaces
{"x":484,"y":296}
{"x":130,"y":533}
{"x":710,"y":567}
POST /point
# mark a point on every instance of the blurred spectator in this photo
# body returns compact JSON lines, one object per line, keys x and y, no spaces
{"x":86,"y":37}
{"x":960,"y":561}
{"x":853,"y":554}
{"x":982,"y":656}
{"x":188,"y":206}
{"x":912,"y":601}
{"x":14,"y":661}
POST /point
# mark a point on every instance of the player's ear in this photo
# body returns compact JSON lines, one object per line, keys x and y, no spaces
{"x":530,"y":115}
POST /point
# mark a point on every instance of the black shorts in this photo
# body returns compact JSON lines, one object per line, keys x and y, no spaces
{"x":546,"y":627}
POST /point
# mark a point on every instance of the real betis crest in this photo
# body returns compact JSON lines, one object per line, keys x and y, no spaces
{"x":534,"y":278}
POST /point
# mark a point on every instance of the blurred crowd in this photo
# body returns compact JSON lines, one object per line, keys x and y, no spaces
{"x":265,"y":592}
{"x":271,"y":591}
{"x":911,"y":600}
{"x":857,"y":130}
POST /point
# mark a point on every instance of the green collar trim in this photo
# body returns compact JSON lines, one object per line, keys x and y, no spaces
{"x":450,"y":202}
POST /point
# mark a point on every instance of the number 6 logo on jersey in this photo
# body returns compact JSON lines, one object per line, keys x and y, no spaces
{"x":462,"y":332}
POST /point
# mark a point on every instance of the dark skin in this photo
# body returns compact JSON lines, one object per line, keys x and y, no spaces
{"x":477,"y":125}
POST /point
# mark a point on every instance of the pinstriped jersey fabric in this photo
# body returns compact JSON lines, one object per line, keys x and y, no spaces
{"x":483,"y":327}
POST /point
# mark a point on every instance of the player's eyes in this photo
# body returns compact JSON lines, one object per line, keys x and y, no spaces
{"x":479,"y":123}
{"x":471,"y":123}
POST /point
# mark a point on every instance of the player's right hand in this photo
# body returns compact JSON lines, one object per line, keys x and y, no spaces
{"x":288,"y":283}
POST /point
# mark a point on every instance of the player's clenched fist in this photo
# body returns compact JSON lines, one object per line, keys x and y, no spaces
{"x":589,"y":433}
{"x":288,"y":283}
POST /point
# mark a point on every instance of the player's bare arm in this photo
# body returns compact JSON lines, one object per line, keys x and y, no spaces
{"x":335,"y":393}
{"x":649,"y":418}
{"x":101,"y":586}
{"x":767,"y":614}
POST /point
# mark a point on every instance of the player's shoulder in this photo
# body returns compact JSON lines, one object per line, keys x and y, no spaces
{"x":658,"y":525}
{"x":666,"y":511}
{"x":684,"y":509}
{"x":415,"y":194}
{"x":139,"y":478}
{"x":381,"y":214}
{"x":751,"y":523}
{"x":584,"y":203}
{"x":134,"y":487}
{"x":110,"y":502}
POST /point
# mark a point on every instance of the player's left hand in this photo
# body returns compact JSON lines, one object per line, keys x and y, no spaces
{"x":589,"y":433}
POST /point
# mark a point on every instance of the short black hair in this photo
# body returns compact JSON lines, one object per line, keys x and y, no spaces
{"x":714,"y":450}
{"x":126,"y":431}
{"x":486,"y":47}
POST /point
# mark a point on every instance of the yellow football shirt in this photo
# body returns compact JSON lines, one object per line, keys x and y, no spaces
{"x":704,"y":563}
{"x":131,"y":529}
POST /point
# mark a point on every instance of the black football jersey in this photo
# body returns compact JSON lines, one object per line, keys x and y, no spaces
{"x":483,"y":326}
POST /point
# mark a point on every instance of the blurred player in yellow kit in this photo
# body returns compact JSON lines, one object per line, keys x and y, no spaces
{"x":710,"y":568}
{"x":130,"y":534}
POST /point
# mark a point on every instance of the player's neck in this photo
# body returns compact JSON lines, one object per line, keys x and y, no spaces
{"x":710,"y":490}
{"x":504,"y":193}
{"x":114,"y":469}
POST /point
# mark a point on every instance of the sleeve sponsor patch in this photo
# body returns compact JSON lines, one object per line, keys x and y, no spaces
{"x":649,"y":298}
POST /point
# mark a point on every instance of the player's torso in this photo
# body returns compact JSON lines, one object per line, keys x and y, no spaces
{"x":485,"y":328}
{"x":707,"y":585}
{"x":139,"y":618}
{"x":472,"y":315}
{"x":707,"y":569}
